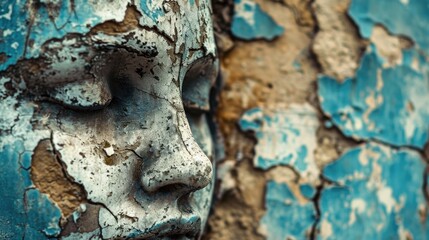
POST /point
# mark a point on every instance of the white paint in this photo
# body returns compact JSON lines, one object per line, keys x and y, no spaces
{"x":386,"y":198}
{"x":298,"y":124}
{"x":240,"y":11}
{"x":15,"y":45}
{"x":358,"y":205}
{"x":7,"y":32}
{"x":8,"y":15}
{"x":109,"y":151}
{"x":154,"y":103}
{"x":405,"y":2}
{"x":325,"y":229}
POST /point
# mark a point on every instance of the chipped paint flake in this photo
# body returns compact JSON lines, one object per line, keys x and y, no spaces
{"x":109,"y":151}
{"x":386,"y":194}
{"x":384,"y":103}
{"x":408,"y":18}
{"x":251,"y":22}
{"x":44,"y":27}
{"x":286,"y":217}
{"x":284,"y":138}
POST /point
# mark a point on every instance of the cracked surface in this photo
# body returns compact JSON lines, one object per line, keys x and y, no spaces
{"x":49,"y":176}
{"x":360,"y":145}
{"x":368,"y":154}
{"x":95,"y":91}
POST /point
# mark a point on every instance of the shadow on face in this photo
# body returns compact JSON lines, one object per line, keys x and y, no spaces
{"x":115,"y":121}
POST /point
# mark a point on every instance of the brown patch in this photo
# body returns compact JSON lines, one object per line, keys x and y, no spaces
{"x":222,"y":15}
{"x":87,"y":222}
{"x":270,"y":75}
{"x":302,"y":11}
{"x":390,"y":47}
{"x":49,"y":176}
{"x":130,"y":22}
{"x":3,"y":58}
{"x":337,"y":45}
{"x":233,"y":219}
{"x":174,"y":6}
{"x":331,"y":144}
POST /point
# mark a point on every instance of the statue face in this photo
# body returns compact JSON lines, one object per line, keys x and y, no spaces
{"x":115,"y":93}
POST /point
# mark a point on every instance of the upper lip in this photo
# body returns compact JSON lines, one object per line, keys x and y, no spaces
{"x":188,"y":227}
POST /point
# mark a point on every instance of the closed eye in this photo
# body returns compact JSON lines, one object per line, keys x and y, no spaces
{"x":82,"y":95}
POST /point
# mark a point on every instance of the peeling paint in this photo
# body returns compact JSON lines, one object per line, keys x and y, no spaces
{"x":21,"y":202}
{"x":377,"y":186}
{"x":408,"y":18}
{"x":101,"y":84}
{"x":383,"y":103}
{"x":284,"y":138}
{"x":251,"y":22}
{"x":286,"y":216}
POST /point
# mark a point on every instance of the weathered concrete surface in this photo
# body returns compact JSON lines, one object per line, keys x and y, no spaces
{"x":371,"y":143}
{"x":284,"y":138}
{"x":254,"y":77}
{"x":337,"y":44}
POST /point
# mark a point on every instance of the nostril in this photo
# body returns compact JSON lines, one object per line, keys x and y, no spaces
{"x":177,"y":187}
{"x":184,"y":203}
{"x":169,"y":176}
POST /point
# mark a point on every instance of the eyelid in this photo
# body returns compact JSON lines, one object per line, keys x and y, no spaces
{"x":82,"y":95}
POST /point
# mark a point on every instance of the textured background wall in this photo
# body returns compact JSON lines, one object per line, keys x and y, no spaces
{"x":325,"y":118}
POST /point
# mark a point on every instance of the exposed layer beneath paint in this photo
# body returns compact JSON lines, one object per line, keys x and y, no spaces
{"x":49,"y":177}
{"x":400,"y":17}
{"x":337,"y":44}
{"x":284,"y":138}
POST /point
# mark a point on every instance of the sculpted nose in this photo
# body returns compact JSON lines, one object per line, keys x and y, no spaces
{"x":179,"y":163}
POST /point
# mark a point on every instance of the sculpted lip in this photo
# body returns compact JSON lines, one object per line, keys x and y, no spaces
{"x":177,"y":228}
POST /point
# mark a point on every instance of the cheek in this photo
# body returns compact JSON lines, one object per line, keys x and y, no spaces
{"x":103,"y":169}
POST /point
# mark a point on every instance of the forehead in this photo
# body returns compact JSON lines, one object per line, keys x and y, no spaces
{"x":27,"y":25}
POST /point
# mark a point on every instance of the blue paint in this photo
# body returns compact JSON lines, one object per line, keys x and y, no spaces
{"x":307,"y":191}
{"x":81,"y":20}
{"x":35,"y":217}
{"x":284,"y":138}
{"x":378,"y":187}
{"x":42,"y":216}
{"x":328,"y":124}
{"x":250,"y":22}
{"x":13,"y":31}
{"x":43,"y":28}
{"x":286,"y":217}
{"x":396,"y":113}
{"x":151,"y":10}
{"x":410,"y":19}
{"x":26,"y":160}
